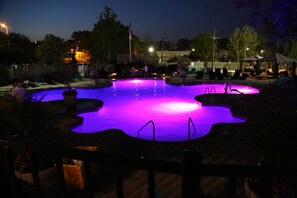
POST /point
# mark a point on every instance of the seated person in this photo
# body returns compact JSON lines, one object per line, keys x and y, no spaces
{"x":18,"y":92}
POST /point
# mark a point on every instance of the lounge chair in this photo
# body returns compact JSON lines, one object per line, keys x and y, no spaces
{"x":218,"y":74}
{"x":236,"y":74}
{"x":199,"y":75}
{"x":211,"y":75}
{"x":225,"y":72}
{"x":243,"y":76}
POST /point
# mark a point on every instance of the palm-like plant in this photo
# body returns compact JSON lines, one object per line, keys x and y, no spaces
{"x":31,"y":121}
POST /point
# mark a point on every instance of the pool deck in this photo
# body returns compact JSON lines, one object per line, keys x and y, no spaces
{"x":225,"y":144}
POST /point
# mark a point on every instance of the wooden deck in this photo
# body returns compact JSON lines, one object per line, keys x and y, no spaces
{"x":219,"y":150}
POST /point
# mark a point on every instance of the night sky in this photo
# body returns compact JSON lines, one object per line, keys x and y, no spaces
{"x":177,"y":18}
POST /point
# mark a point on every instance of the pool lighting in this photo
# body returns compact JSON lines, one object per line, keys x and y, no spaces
{"x":177,"y":107}
{"x":136,"y":81}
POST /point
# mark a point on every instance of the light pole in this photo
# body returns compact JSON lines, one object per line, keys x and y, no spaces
{"x":163,"y":38}
{"x":213,"y":47}
{"x":3,"y":25}
{"x":150,"y":54}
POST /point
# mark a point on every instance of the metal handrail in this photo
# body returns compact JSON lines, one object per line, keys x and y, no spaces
{"x":214,"y":90}
{"x":206,"y":91}
{"x":190,"y":121}
{"x":154,"y":135}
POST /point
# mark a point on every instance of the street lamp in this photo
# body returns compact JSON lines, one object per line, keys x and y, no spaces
{"x":4,"y":26}
{"x":150,"y":49}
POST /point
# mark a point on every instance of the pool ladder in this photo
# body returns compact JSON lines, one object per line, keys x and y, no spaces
{"x":210,"y":91}
{"x":190,"y":121}
{"x":153,"y":124}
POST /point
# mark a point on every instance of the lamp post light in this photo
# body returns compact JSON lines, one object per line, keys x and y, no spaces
{"x":4,"y":26}
{"x":150,"y":49}
{"x":246,"y":51}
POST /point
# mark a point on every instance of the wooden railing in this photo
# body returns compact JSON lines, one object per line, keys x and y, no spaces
{"x":191,"y":169}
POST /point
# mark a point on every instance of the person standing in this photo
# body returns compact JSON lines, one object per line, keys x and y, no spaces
{"x":145,"y":69}
{"x":182,"y":73}
{"x":93,"y":74}
{"x":133,"y":72}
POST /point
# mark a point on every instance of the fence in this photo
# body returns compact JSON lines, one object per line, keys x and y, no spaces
{"x":43,"y":72}
{"x":191,"y":169}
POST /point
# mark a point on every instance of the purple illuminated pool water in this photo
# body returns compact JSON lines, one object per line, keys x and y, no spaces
{"x":130,"y":104}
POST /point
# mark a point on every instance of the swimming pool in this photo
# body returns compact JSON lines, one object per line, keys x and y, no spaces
{"x":131,"y":104}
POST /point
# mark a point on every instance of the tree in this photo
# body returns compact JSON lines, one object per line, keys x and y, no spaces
{"x":147,"y":43}
{"x":109,"y":37}
{"x":263,"y":48}
{"x":222,"y":43}
{"x":234,"y":44}
{"x":293,"y":52}
{"x":82,"y":39}
{"x":78,"y":48}
{"x":19,"y":49}
{"x":183,"y":44}
{"x":277,"y":18}
{"x":3,"y":39}
{"x":243,"y":42}
{"x":203,"y":45}
{"x":51,"y":50}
